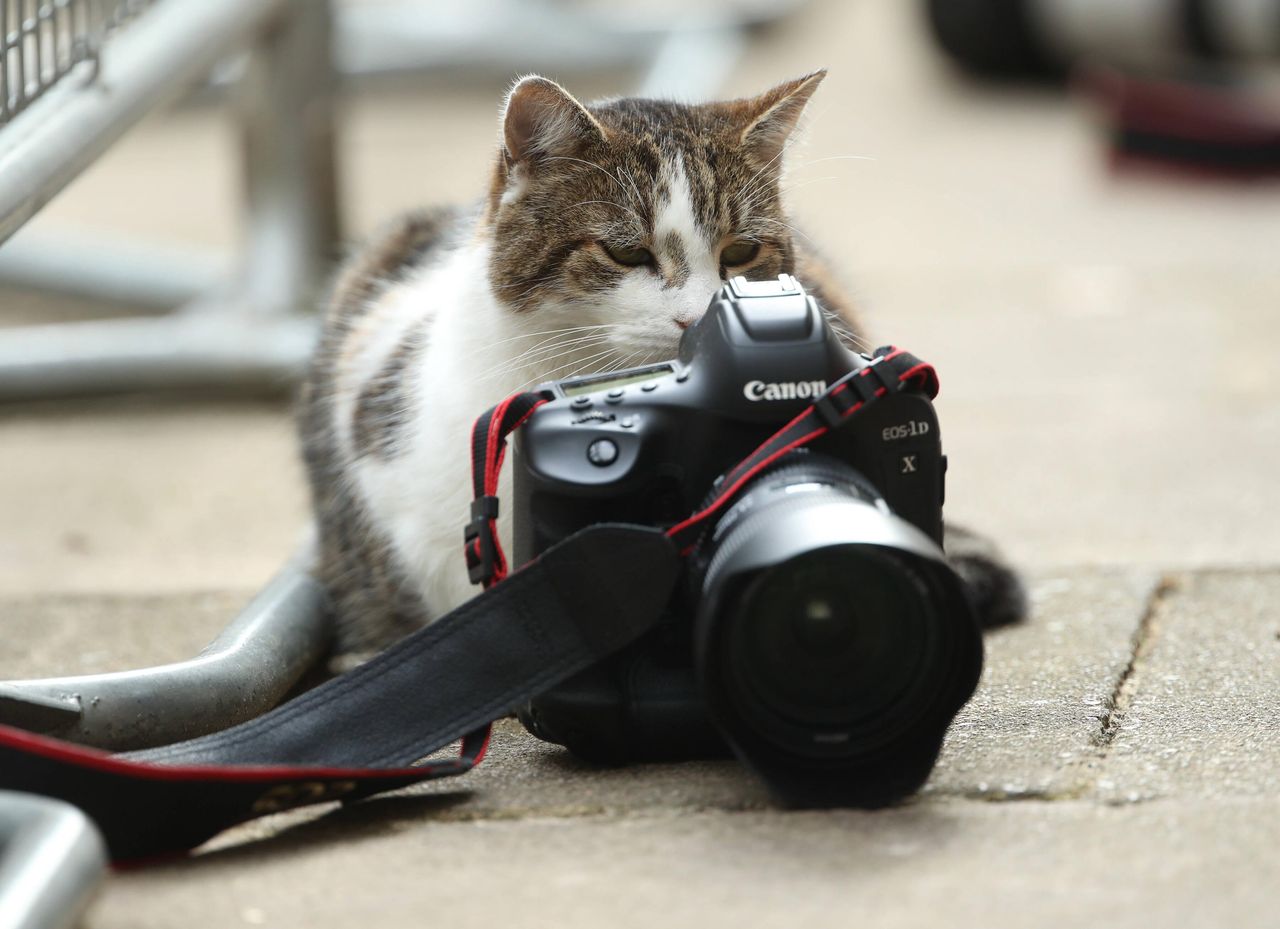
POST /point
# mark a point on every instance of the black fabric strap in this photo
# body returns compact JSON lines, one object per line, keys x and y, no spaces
{"x":359,"y":733}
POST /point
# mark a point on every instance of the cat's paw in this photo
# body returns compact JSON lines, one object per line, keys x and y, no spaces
{"x":998,"y":594}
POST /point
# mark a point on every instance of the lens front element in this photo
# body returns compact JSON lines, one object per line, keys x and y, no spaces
{"x":826,"y":647}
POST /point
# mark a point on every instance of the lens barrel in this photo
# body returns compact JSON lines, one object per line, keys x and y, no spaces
{"x":833,"y":643}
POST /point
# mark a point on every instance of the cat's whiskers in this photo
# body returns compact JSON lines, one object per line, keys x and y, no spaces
{"x":622,"y":363}
{"x":792,"y":188}
{"x":840,"y":327}
{"x":590,"y":164}
{"x":575,"y":366}
{"x":566,"y":331}
{"x":545,"y":355}
{"x":818,"y":161}
{"x":785,"y":225}
{"x":634,"y":188}
{"x":558,"y":340}
{"x":782,"y":150}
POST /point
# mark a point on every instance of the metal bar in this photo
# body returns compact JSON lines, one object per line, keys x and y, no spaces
{"x":153,"y":62}
{"x":206,"y":347}
{"x":535,"y":35}
{"x":4,"y":60}
{"x":246,"y":670}
{"x":19,"y":55}
{"x":52,"y":858}
{"x":38,"y":42}
{"x":287,"y":120}
{"x":145,"y":275}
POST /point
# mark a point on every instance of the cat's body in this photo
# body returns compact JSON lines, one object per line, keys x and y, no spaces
{"x":605,"y":233}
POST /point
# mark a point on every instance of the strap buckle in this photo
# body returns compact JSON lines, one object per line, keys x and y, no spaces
{"x":481,"y":545}
{"x":835,"y":403}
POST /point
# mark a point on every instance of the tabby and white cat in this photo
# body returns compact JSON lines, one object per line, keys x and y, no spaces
{"x":606,"y":229}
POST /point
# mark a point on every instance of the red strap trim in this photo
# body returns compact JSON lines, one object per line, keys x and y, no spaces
{"x":486,"y":560}
{"x":96,"y":760}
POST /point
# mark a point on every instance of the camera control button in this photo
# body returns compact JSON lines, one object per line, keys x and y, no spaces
{"x":614,"y":396}
{"x":602,"y":452}
{"x":628,"y":422}
{"x":648,"y":386}
{"x":581,"y":403}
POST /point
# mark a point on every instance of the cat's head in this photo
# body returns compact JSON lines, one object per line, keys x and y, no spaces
{"x":628,"y":214}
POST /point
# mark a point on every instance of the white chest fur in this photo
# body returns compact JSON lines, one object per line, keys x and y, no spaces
{"x":476,"y":352}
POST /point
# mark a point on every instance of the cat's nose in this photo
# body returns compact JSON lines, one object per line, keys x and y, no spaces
{"x":682,"y":322}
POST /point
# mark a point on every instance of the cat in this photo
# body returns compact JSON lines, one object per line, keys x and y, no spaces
{"x":605,"y":230}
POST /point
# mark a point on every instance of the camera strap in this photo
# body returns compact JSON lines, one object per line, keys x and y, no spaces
{"x":368,"y":731}
{"x":365,"y":731}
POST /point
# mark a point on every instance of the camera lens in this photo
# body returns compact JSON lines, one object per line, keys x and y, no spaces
{"x":826,"y":645}
{"x":834,"y":644}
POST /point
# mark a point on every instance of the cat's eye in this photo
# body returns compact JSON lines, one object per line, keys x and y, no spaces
{"x":739,"y":253}
{"x":625,"y":255}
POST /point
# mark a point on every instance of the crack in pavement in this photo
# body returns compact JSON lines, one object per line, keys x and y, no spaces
{"x":1127,"y":683}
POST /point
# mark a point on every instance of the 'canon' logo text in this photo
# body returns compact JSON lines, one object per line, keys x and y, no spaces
{"x":787,"y":390}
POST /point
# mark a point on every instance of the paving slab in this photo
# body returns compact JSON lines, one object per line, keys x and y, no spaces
{"x":130,"y":496}
{"x":53,"y":636}
{"x":937,"y":862}
{"x":1029,"y":730}
{"x":1033,"y":726}
{"x":1076,"y":432}
{"x":1200,"y":715}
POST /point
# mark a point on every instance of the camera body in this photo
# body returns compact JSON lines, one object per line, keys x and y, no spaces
{"x":647,"y":445}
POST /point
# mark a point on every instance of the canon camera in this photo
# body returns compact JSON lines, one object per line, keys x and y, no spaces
{"x":818,"y":631}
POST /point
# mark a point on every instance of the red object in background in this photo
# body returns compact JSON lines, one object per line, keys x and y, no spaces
{"x":1208,"y":127}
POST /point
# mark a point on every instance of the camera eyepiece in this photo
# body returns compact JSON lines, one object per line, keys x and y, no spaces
{"x":834,"y":645}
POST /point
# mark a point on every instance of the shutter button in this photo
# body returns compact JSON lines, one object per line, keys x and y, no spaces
{"x":602,"y":452}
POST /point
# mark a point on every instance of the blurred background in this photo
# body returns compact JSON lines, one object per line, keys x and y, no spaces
{"x":1030,"y":195}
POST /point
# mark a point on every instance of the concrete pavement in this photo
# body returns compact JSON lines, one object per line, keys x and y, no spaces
{"x":1118,"y":762}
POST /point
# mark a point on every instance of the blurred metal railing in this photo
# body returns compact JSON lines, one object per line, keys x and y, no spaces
{"x":43,"y":41}
{"x":78,"y":79}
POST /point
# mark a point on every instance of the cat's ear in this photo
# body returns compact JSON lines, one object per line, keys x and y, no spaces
{"x":770,"y":119}
{"x":541,"y":119}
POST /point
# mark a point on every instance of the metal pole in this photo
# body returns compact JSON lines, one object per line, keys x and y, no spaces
{"x":287,"y":117}
{"x":210,"y":346}
{"x":245,"y":671}
{"x":51,"y":860}
{"x":114,"y":270}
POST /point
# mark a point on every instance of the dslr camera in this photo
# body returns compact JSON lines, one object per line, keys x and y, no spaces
{"x":817,"y":630}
